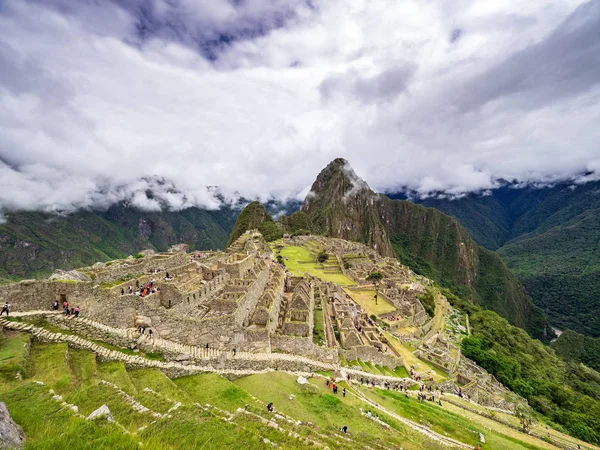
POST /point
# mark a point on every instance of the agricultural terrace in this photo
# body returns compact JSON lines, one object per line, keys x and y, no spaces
{"x":299,"y":260}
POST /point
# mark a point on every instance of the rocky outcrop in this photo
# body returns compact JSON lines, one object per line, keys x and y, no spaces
{"x":11,"y":435}
{"x":103,"y":411}
{"x":69,"y":275}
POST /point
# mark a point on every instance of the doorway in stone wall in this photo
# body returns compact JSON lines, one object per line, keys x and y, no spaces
{"x":63,"y":298}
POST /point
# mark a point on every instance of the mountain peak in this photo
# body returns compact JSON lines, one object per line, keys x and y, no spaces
{"x":338,"y":182}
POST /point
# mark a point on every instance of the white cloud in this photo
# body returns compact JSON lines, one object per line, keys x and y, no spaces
{"x":101,"y":102}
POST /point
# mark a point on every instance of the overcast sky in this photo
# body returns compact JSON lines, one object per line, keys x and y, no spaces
{"x":102,"y":100}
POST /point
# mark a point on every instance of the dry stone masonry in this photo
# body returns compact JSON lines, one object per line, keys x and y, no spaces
{"x":239,"y":312}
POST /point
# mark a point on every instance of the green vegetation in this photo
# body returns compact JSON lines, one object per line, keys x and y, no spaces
{"x":430,"y":242}
{"x":254,"y":216}
{"x":548,"y":237}
{"x":76,"y":375}
{"x":322,"y":256}
{"x":565,"y":392}
{"x":138,"y":255}
{"x":319,"y":327}
{"x":36,"y":243}
{"x":14,"y":357}
{"x":573,"y":346}
{"x":299,"y":260}
{"x":428,"y":301}
{"x":366,"y":299}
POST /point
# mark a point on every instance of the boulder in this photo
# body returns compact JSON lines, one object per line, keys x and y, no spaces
{"x":177,"y":248}
{"x":11,"y":435}
{"x":183,"y":357}
{"x":70,"y":275}
{"x":301,"y":380}
{"x":143,"y":321}
{"x":103,"y":411}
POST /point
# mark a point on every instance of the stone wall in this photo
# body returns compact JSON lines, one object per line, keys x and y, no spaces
{"x":372,"y":355}
{"x":170,"y":295}
{"x":237,"y":268}
{"x":247,"y":303}
{"x":136,"y":267}
{"x":304,"y":347}
{"x":89,"y":331}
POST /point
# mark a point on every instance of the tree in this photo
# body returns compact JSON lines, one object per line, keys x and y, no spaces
{"x":375,"y":278}
{"x":322,"y":257}
{"x":525,"y":417}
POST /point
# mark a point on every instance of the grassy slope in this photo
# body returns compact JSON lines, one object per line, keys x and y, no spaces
{"x":76,"y":375}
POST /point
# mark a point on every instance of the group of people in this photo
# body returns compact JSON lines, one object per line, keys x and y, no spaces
{"x":66,"y":310}
{"x":331,"y":384}
{"x":142,"y":331}
{"x":148,"y":289}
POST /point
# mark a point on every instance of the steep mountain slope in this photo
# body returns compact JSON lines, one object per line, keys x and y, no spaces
{"x":549,"y":238}
{"x":33,"y":244}
{"x":340,"y":204}
{"x":255,"y":216}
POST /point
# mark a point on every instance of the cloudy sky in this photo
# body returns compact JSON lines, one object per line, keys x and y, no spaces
{"x":100,"y":100}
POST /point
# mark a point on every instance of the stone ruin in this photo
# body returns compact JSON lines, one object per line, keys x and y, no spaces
{"x":242,"y":298}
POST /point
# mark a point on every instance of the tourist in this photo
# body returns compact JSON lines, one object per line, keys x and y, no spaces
{"x":270,"y":407}
{"x":234,"y":351}
{"x":150,"y":332}
{"x":344,"y":392}
{"x":76,"y":312}
{"x":122,"y":291}
{"x":55,"y":305}
{"x":5,"y":308}
{"x":142,"y":329}
{"x":344,"y":429}
{"x":130,"y":289}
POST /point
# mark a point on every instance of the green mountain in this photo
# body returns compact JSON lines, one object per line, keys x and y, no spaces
{"x":576,"y":347}
{"x":342,"y":205}
{"x":255,"y":216}
{"x":33,"y":244}
{"x":550,"y":240}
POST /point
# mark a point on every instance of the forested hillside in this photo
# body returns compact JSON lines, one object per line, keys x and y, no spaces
{"x":33,"y":244}
{"x":550,"y":240}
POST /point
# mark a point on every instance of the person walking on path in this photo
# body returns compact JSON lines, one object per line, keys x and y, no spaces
{"x":5,"y":308}
{"x":76,"y":312}
{"x":344,"y":392}
{"x":234,"y":351}
{"x":55,"y":305}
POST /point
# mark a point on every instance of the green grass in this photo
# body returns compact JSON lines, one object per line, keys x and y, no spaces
{"x":441,"y":420}
{"x":76,"y":375}
{"x":13,"y":356}
{"x":319,"y":327}
{"x":221,"y":393}
{"x":48,"y":426}
{"x":316,"y":404}
{"x":49,"y":365}
{"x":365,"y":298}
{"x":299,"y":261}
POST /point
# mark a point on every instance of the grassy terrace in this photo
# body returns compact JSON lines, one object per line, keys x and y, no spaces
{"x":76,"y":375}
{"x":365,"y":298}
{"x":299,"y":261}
